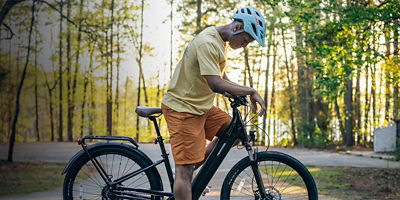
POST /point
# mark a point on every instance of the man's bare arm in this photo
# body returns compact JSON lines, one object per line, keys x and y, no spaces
{"x":223,"y":86}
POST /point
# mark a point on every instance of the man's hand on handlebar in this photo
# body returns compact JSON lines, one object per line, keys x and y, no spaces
{"x":256,"y":98}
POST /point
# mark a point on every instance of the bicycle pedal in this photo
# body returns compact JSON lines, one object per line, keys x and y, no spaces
{"x":205,"y":191}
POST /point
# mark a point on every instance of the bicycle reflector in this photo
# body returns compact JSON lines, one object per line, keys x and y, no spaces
{"x":79,"y":141}
{"x":155,"y":140}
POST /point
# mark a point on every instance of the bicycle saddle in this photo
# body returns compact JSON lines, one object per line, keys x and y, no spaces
{"x":145,"y":111}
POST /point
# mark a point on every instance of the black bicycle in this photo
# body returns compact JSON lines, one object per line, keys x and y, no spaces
{"x":119,"y":170}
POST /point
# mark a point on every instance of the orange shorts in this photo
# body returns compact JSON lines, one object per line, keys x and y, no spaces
{"x":188,"y":132}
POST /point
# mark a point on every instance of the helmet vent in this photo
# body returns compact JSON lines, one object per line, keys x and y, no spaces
{"x":261,"y":24}
{"x":258,"y":14}
{"x":248,"y":11}
{"x":242,"y":10}
{"x":237,"y":11}
{"x":254,"y":28}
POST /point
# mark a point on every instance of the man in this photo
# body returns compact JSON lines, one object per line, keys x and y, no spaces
{"x":188,"y":104}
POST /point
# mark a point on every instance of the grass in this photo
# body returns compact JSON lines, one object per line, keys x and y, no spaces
{"x":347,"y":182}
{"x":325,"y":177}
{"x":23,"y":178}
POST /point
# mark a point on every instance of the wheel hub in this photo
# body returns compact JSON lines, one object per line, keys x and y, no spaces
{"x":272,"y":193}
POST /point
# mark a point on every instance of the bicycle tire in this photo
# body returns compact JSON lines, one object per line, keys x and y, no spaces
{"x":301,"y":183}
{"x":90,"y":185}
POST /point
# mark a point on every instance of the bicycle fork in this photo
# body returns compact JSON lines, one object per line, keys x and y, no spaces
{"x":256,"y":170}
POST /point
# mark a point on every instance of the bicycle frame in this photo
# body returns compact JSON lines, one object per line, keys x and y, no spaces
{"x":235,"y":131}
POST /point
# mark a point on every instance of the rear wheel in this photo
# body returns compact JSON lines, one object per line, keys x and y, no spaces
{"x":284,"y":177}
{"x":83,"y":181}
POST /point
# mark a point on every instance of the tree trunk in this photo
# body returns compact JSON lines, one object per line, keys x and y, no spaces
{"x":267,"y":81}
{"x":272,"y":104}
{"x":7,"y":7}
{"x":36,"y":92}
{"x":92,"y":110}
{"x":366,"y":108}
{"x":139,"y":60}
{"x":357,"y":99}
{"x":199,"y":14}
{"x":50,"y":91}
{"x":17,"y":99}
{"x":290,"y":92}
{"x":60,"y":71}
{"x":387,"y":74}
{"x":69,"y":90}
{"x":341,"y":128}
{"x":396,"y":102}
{"x":77,"y":66}
{"x":110,"y":100}
{"x":83,"y":105}
{"x":116,"y":127}
{"x":247,"y":66}
{"x":348,"y":100}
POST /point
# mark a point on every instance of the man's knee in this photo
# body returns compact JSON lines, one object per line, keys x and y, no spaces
{"x":224,"y":128}
{"x":184,"y":172}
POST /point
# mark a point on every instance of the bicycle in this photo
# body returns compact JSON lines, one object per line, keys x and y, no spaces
{"x":90,"y":174}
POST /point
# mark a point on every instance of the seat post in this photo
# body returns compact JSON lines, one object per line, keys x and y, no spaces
{"x":163,"y":152}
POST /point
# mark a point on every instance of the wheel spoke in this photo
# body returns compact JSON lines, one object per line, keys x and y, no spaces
{"x":280,"y":174}
{"x":87,"y":183}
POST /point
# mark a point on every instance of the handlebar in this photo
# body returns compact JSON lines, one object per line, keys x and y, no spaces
{"x":239,"y":101}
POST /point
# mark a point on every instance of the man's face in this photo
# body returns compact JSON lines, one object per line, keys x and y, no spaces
{"x":240,"y":40}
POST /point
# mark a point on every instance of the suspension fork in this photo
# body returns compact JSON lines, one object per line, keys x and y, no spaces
{"x":255,"y":169}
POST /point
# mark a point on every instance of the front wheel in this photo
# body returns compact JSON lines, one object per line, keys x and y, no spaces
{"x":283,"y":176}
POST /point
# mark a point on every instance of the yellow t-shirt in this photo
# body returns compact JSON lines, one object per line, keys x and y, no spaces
{"x":188,"y":90}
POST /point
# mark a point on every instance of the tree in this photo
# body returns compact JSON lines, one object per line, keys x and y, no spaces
{"x":17,"y":106}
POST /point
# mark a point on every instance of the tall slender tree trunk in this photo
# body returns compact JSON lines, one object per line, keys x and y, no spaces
{"x":290,"y":92}
{"x":272,"y":104}
{"x":92,"y":110}
{"x":247,"y":66}
{"x":85,"y":83}
{"x":341,"y":128}
{"x":139,"y":60}
{"x":126,"y":101}
{"x":109,"y":98}
{"x":199,"y":15}
{"x":357,"y":99}
{"x":51,"y":109}
{"x":387,"y":75}
{"x":272,"y":27}
{"x":77,"y":66}
{"x":36,"y":91}
{"x":348,"y":100}
{"x":60,"y":71}
{"x":17,"y":99}
{"x":396,"y":98}
{"x":366,"y":108}
{"x":116,"y":127}
{"x":69,"y":89}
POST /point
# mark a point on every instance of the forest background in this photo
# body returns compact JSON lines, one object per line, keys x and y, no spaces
{"x":329,"y":72}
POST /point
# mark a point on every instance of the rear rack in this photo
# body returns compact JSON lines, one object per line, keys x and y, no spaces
{"x":92,"y":137}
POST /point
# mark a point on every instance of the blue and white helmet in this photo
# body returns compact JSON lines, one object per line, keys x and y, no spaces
{"x":253,"y":23}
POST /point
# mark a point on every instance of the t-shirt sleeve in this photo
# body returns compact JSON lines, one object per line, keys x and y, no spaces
{"x":208,"y":58}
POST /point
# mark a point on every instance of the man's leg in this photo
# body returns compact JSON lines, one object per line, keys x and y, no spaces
{"x":214,"y":142}
{"x":183,"y":182}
